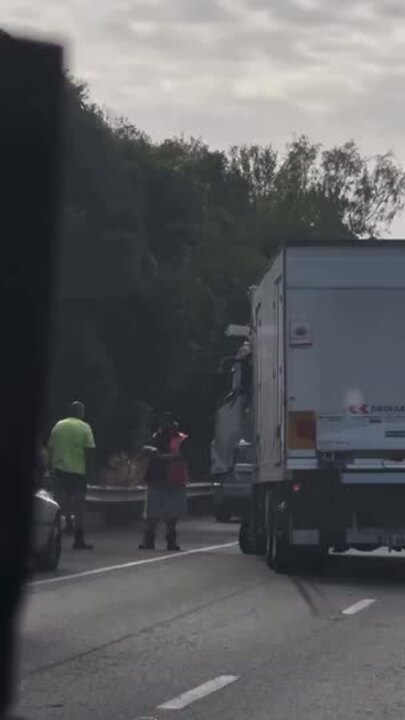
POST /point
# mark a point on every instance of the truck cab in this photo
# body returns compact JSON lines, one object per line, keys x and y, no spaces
{"x":232,"y":460}
{"x":232,"y":489}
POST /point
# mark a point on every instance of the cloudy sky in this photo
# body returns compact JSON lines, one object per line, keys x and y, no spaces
{"x":237,"y":71}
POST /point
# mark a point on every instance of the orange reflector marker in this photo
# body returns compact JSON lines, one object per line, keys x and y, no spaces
{"x":302,"y":430}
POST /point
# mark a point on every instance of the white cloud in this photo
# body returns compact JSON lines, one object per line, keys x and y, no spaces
{"x":238,"y":70}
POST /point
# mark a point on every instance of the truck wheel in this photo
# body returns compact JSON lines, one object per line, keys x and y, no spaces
{"x":278,"y":549}
{"x":268,"y":552}
{"x":246,"y":541}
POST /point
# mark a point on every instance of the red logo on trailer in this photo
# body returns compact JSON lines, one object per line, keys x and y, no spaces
{"x":363,"y":409}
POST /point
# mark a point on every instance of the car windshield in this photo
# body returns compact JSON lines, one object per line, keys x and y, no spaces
{"x":228,"y":289}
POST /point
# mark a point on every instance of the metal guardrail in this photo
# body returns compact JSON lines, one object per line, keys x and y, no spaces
{"x":105,"y":494}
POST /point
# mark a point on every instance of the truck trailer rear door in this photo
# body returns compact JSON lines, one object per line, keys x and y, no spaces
{"x":354,"y":367}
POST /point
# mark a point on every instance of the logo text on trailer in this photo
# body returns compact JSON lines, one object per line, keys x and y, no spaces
{"x":366,"y":409}
{"x":363,"y":409}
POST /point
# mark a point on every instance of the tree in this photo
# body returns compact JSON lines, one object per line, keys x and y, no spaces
{"x":311,"y":193}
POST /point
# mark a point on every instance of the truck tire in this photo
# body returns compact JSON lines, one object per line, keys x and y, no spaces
{"x":281,"y":556}
{"x":247,"y":543}
{"x":278,"y":549}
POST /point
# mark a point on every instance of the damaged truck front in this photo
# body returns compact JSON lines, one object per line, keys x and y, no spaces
{"x":232,"y":451}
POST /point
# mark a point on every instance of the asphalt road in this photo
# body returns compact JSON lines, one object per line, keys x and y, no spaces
{"x":210,"y":633}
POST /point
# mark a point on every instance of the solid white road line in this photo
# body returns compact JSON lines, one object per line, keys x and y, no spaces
{"x":358,"y":606}
{"x":199,"y":692}
{"x":124,"y":566}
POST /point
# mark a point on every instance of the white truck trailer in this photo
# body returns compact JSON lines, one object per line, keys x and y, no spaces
{"x":329,"y":403}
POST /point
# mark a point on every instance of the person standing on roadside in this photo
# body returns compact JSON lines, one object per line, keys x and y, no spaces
{"x":166,"y":481}
{"x":71,"y":449}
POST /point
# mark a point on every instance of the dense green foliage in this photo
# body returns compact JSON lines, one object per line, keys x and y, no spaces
{"x":160,"y":243}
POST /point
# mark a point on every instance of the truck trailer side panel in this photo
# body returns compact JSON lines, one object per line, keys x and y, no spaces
{"x":269,"y":376}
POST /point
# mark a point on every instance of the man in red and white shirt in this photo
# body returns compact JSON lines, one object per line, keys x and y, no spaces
{"x":167,"y":477}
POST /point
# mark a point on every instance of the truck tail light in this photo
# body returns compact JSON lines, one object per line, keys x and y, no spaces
{"x":302,"y":430}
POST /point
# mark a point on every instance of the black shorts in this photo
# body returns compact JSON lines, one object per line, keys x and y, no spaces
{"x":69,"y":483}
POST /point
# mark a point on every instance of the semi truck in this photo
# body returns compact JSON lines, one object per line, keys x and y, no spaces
{"x":328,"y":398}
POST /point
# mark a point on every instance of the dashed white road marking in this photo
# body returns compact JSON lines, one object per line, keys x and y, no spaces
{"x":134,"y":563}
{"x":198,"y":692}
{"x":358,"y":606}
